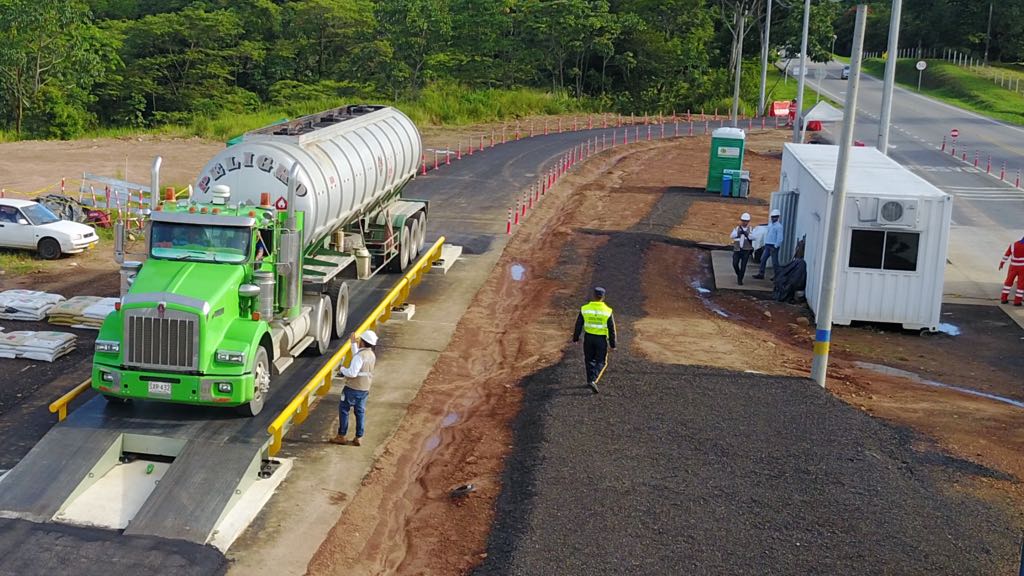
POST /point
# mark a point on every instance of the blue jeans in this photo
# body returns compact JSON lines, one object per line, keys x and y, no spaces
{"x":355,"y":400}
{"x":774,"y":252}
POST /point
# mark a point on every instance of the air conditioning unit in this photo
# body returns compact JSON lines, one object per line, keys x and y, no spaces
{"x":902,"y":212}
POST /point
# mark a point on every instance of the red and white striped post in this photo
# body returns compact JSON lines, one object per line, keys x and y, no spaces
{"x":481,"y":143}
{"x":518,"y":205}
{"x":524,"y":204}
{"x":536,"y":192}
{"x":988,"y":166}
{"x":469,"y":146}
{"x":975,"y":158}
{"x":688,"y":117}
{"x":423,"y":161}
{"x":447,"y":157}
{"x":492,"y":137}
{"x":436,"y":165}
{"x":529,"y":198}
{"x":942,"y":149}
{"x":964,"y":156}
{"x":1017,"y":181}
{"x":1002,"y":171}
{"x":508,"y":224}
{"x":706,"y":127}
{"x":663,"y":130}
{"x":690,"y":131}
{"x":648,"y":132}
{"x":637,"y":137}
{"x":458,"y":154}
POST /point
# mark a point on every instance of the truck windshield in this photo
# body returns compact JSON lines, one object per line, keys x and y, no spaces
{"x":39,"y":215}
{"x":222,"y":244}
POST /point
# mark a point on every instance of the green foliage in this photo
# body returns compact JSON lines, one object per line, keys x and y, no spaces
{"x":959,"y":86}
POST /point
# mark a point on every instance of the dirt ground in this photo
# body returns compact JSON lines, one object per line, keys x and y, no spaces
{"x":457,"y":431}
{"x":402,"y":521}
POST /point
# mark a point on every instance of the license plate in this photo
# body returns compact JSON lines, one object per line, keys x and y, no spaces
{"x":162,"y":388}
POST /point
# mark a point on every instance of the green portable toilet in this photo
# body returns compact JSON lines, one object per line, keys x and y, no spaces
{"x":727,"y":146}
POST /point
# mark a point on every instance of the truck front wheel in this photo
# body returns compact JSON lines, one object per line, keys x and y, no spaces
{"x":260,"y":383}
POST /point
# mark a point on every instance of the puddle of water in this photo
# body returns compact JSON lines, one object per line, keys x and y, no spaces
{"x":433,"y":442}
{"x":721,"y":312}
{"x":518,"y":272}
{"x":449,"y":420}
{"x":949,"y":329}
{"x":700,"y":289}
{"x":889,"y":370}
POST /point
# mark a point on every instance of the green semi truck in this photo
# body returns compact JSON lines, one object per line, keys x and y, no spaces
{"x":254,"y":268}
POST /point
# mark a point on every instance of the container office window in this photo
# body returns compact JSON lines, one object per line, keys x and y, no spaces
{"x":884,"y":250}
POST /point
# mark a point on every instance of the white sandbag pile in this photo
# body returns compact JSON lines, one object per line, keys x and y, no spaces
{"x":82,"y":311}
{"x":44,"y":346}
{"x":26,"y":304}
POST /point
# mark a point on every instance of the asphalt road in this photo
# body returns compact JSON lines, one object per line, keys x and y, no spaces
{"x":987,"y":212}
{"x":691,"y":470}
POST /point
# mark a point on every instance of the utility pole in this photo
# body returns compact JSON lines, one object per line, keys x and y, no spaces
{"x":823,"y":335}
{"x":741,"y":16}
{"x":798,"y":119}
{"x":890,"y":78}
{"x":988,"y":33}
{"x":764,"y":55}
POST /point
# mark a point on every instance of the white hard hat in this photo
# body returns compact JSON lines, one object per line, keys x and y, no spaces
{"x":370,"y":337}
{"x":776,"y":213}
{"x":745,"y":217}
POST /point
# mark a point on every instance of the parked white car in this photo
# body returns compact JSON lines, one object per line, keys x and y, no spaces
{"x":32,"y":226}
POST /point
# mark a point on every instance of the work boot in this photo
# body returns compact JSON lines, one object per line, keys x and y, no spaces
{"x":339,"y":439}
{"x":356,"y":442}
{"x":592,"y":386}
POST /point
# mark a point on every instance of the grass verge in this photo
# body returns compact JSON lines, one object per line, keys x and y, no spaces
{"x":962,"y":87}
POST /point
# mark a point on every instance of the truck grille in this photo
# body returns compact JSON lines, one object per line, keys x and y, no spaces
{"x":167,"y":342}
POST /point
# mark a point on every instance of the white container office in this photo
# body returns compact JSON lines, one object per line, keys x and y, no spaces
{"x":892,"y":250}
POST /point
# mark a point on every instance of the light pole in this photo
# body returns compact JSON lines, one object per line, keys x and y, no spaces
{"x":988,"y":33}
{"x":764,"y":55}
{"x":823,"y":335}
{"x":832,"y":54}
{"x":798,"y":134}
{"x":890,"y":77}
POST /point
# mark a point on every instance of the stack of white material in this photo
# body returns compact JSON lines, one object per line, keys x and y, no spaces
{"x":82,"y":311}
{"x":44,"y":346}
{"x":97,"y":313}
{"x":27,"y":304}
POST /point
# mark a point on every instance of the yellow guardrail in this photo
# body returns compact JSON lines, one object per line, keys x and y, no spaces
{"x":320,"y":384}
{"x":60,"y":405}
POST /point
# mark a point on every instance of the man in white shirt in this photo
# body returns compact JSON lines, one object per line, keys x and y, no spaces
{"x":742,"y":246}
{"x":358,"y":379}
{"x":772,"y":244}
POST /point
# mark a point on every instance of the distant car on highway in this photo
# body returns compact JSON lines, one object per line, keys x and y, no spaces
{"x":32,"y":226}
{"x":845,"y":74}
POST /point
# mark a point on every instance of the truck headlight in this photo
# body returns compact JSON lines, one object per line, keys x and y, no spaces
{"x":224,"y":387}
{"x":106,"y":376}
{"x":108,"y":346}
{"x":230,"y":357}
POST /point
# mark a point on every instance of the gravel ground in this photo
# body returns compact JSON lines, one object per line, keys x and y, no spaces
{"x":91,"y":552}
{"x":689,"y":470}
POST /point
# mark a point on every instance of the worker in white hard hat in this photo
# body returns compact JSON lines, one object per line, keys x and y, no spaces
{"x":742,"y":247}
{"x":358,"y":379}
{"x":772,"y":244}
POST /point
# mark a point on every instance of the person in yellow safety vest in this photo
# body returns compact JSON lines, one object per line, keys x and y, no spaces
{"x":598,"y":327}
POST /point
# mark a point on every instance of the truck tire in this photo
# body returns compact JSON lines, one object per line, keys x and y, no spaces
{"x":49,"y":249}
{"x":325,"y":327}
{"x":405,"y":248}
{"x":338,"y":291}
{"x":261,"y":384}
{"x":422,"y":240}
{"x":414,"y":239}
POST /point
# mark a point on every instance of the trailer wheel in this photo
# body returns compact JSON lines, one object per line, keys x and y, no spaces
{"x":414,"y":239}
{"x":405,"y":248}
{"x":325,"y":327}
{"x":421,"y":241}
{"x":261,"y":384}
{"x":338,"y":291}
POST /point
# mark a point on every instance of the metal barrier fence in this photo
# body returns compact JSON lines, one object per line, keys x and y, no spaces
{"x":60,"y":405}
{"x":320,"y":384}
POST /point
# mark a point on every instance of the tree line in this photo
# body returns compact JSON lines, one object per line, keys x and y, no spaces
{"x":67,"y":66}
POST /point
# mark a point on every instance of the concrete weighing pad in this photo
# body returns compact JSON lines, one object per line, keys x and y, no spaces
{"x":725,"y":278}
